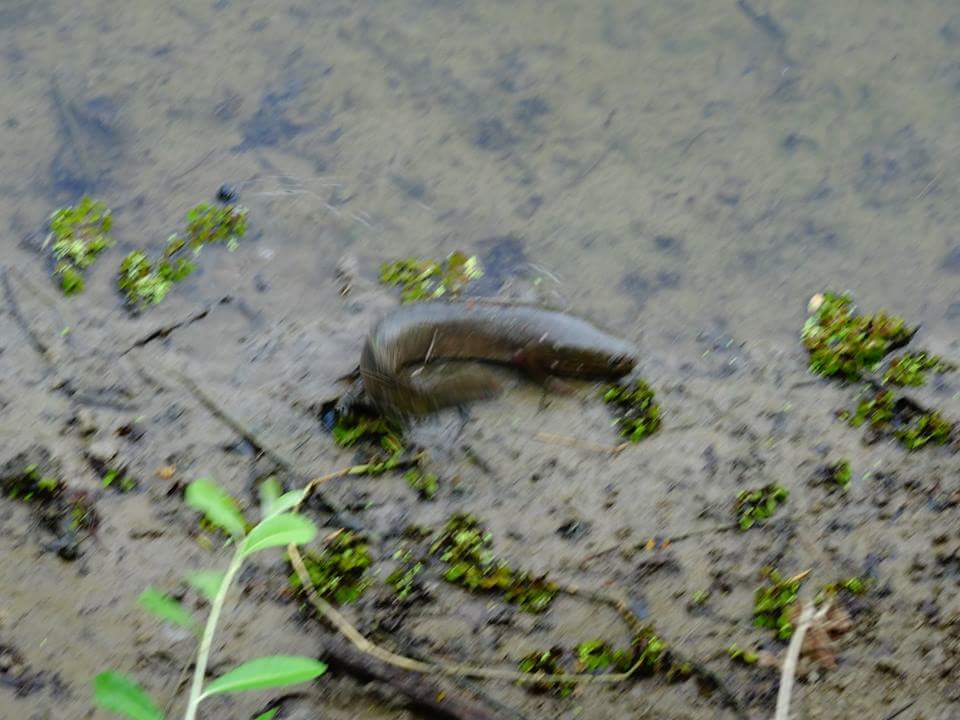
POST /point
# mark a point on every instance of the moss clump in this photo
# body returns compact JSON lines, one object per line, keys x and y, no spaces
{"x":752,"y":507}
{"x":79,"y":234}
{"x":546,"y":663}
{"x":745,"y":657}
{"x":839,"y":473}
{"x":425,"y":483}
{"x":403,"y":579}
{"x":338,"y":571}
{"x":31,"y":486}
{"x":845,"y":344}
{"x":913,"y":427}
{"x":431,"y":279}
{"x":773,"y":603}
{"x":911,"y":368}
{"x":209,"y":224}
{"x":855,"y":585}
{"x":355,"y":427}
{"x":637,"y":413}
{"x":466,"y":547}
{"x":146,"y":282}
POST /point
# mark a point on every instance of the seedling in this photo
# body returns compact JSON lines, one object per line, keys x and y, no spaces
{"x":278,"y":527}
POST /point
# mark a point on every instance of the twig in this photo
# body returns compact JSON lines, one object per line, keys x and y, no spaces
{"x":809,"y":614}
{"x":551,"y":439}
{"x":165,"y":330}
{"x":897,"y":713}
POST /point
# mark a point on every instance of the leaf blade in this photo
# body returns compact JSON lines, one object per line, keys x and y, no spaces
{"x":268,"y":715}
{"x":218,"y":506}
{"x":281,"y":529}
{"x":119,"y":694}
{"x":208,"y":582}
{"x":267,"y":672}
{"x":166,"y":608}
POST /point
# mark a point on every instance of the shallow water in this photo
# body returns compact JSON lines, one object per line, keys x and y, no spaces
{"x":687,"y":173}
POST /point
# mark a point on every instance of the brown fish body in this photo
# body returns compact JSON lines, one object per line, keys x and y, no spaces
{"x":540,"y":341}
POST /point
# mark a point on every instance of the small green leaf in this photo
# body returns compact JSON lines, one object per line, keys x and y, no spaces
{"x":267,"y":672}
{"x":207,"y":582}
{"x":270,"y":491}
{"x":268,"y":715}
{"x":281,"y":529}
{"x":154,"y":601}
{"x":117,"y":693}
{"x":221,"y":509}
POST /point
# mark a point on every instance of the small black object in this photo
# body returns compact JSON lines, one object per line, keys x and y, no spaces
{"x":227,"y":194}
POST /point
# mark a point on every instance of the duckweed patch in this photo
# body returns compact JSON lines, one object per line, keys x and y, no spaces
{"x":466,"y":547}
{"x":339,"y":570}
{"x":843,"y":343}
{"x":430,"y":279}
{"x":634,"y":406}
{"x":79,"y":234}
{"x":911,"y":368}
{"x":774,"y":602}
{"x":753,"y":507}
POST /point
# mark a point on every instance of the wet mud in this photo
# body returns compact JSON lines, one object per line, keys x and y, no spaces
{"x":686,"y":174}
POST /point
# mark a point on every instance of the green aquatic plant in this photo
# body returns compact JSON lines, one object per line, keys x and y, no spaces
{"x":854,"y":585}
{"x":78,"y":234}
{"x":208,"y":224}
{"x":116,"y":477}
{"x":425,"y":483}
{"x":278,"y":527}
{"x":431,"y":279}
{"x":845,"y":344}
{"x":745,"y":657}
{"x":913,"y":427}
{"x":467,"y":549}
{"x":339,"y":570}
{"x":146,"y":282}
{"x":403,"y":579}
{"x":911,"y":368}
{"x":752,"y":507}
{"x":546,"y":663}
{"x":634,"y":406}
{"x":839,"y":473}
{"x":773,"y":603}
{"x":31,"y":485}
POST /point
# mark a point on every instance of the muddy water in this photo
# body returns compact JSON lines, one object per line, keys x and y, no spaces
{"x":688,"y":173}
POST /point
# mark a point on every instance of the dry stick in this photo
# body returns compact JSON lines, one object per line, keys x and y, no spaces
{"x":808,"y":615}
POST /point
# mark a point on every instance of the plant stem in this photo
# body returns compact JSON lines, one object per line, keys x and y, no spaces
{"x":203,"y":654}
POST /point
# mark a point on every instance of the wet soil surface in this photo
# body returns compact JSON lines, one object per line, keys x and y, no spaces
{"x":684,"y":174}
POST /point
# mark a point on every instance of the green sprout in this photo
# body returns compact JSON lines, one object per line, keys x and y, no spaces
{"x":431,"y":279}
{"x":911,"y":368}
{"x":277,"y":528}
{"x":754,"y":506}
{"x":855,"y":585}
{"x":843,"y":343}
{"x":466,"y":547}
{"x":746,"y":657}
{"x":840,"y":473}
{"x":115,"y":477}
{"x":773,"y":603}
{"x":637,"y":414}
{"x":339,"y":570}
{"x":79,"y":234}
